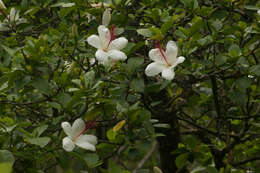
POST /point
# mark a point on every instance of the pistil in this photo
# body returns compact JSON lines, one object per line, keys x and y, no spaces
{"x":87,"y":126}
{"x":112,"y":36}
{"x":162,"y":52}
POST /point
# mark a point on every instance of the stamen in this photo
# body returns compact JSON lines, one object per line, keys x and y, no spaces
{"x":112,"y":36}
{"x":162,"y":52}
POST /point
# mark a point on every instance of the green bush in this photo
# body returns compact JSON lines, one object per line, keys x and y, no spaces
{"x":58,"y":65}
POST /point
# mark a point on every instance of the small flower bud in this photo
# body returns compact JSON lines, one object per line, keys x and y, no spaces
{"x":2,"y":5}
{"x":106,"y":17}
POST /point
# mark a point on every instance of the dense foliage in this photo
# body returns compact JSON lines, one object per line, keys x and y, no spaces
{"x":207,"y":119}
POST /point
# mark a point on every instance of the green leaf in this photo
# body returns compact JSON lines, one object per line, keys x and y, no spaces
{"x":198,"y":169}
{"x":181,"y":160}
{"x":133,"y":47}
{"x":92,"y":160}
{"x":42,"y":85}
{"x":186,"y":3}
{"x":243,"y":83}
{"x":157,"y":170}
{"x":252,"y":7}
{"x":134,"y":63}
{"x":191,"y":142}
{"x":64,"y":99}
{"x":234,"y":50}
{"x":6,"y":161}
{"x":63,"y":4}
{"x":89,"y":79}
{"x":121,"y":105}
{"x":111,"y":135}
{"x":160,"y":125}
{"x":180,"y":33}
{"x":10,"y":51}
{"x":114,"y":168}
{"x":238,"y":97}
{"x":255,"y":69}
{"x":145,"y":32}
{"x":4,"y":86}
{"x":217,"y":24}
{"x":197,"y":24}
{"x":256,"y":124}
{"x":137,"y":85}
{"x":221,"y":59}
{"x":39,"y":130}
{"x":55,"y":105}
{"x":6,"y":167}
{"x":206,"y":40}
{"x":40,"y":141}
{"x":211,"y":169}
{"x":6,"y":156}
{"x":167,"y":26}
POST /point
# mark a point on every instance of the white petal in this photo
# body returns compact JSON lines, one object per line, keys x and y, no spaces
{"x":90,"y":138}
{"x":92,"y":61}
{"x":168,"y":73}
{"x":67,"y":128}
{"x":156,"y":56}
{"x":101,"y":55}
{"x":84,"y":141}
{"x":258,"y":11}
{"x":154,"y":69}
{"x":67,"y":144}
{"x":77,"y":127}
{"x":171,"y":52}
{"x":117,"y":55}
{"x":118,"y":43}
{"x":179,"y":61}
{"x":104,"y":35}
{"x":94,"y":41}
{"x":106,"y":17}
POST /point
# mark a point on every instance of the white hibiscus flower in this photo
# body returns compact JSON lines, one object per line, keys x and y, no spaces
{"x":164,"y":61}
{"x":76,"y":137}
{"x":108,"y":47}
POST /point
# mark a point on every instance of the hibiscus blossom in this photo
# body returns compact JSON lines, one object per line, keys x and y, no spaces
{"x":108,"y":47}
{"x":76,"y":137}
{"x":164,"y":61}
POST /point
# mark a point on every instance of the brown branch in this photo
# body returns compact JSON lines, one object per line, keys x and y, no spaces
{"x":146,"y":157}
{"x":246,"y":161}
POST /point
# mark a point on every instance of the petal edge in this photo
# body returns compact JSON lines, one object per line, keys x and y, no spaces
{"x":94,"y":41}
{"x":154,"y":69}
{"x":67,"y":144}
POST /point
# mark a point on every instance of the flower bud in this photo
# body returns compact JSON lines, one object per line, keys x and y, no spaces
{"x":2,"y":5}
{"x":106,"y":17}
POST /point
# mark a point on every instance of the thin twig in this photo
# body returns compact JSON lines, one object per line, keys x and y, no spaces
{"x":146,"y":157}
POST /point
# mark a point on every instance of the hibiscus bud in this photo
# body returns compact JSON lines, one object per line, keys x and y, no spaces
{"x":157,"y":170}
{"x":2,"y":5}
{"x":106,"y":17}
